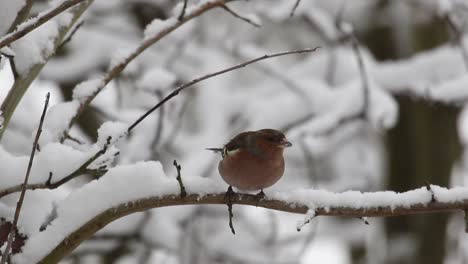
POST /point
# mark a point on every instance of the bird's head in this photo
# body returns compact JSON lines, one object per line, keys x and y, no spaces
{"x":272,"y":137}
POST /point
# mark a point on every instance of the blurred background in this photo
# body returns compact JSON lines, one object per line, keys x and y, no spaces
{"x":407,"y":133}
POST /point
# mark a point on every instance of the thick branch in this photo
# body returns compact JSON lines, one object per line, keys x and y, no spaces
{"x":30,"y":26}
{"x":87,"y":230}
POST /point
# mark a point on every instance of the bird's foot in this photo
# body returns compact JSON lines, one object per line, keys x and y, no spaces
{"x":228,"y":199}
{"x":229,"y":194}
{"x":259,"y":196}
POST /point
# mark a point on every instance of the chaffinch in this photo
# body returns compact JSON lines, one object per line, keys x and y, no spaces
{"x":253,"y":160}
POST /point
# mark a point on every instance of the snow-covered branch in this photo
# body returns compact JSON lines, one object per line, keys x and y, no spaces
{"x":33,"y":23}
{"x":112,"y":197}
{"x":33,"y":54}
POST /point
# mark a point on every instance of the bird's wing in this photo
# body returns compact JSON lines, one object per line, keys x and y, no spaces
{"x":253,"y":148}
{"x":245,"y":140}
{"x":239,"y":141}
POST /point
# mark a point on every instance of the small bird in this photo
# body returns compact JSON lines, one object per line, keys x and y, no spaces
{"x":253,"y":160}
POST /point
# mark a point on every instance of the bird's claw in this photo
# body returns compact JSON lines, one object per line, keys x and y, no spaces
{"x":229,"y":194}
{"x":259,"y":196}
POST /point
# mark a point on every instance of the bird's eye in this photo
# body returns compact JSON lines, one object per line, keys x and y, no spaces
{"x":271,"y":139}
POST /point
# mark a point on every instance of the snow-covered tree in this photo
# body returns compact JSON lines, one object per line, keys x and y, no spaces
{"x":107,"y":108}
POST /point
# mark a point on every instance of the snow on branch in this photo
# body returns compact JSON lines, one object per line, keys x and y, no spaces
{"x":135,"y":188}
{"x":33,"y":23}
{"x":33,"y":52}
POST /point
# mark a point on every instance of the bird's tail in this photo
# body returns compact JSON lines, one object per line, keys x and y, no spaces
{"x":220,"y":150}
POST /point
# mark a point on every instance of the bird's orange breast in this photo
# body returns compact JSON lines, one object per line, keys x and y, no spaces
{"x":247,"y":171}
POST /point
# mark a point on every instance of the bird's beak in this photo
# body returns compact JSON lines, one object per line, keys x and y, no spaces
{"x":285,"y":143}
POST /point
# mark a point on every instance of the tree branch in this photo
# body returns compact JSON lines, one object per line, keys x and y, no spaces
{"x":293,"y":9}
{"x":26,"y":179}
{"x":36,"y":22}
{"x":332,"y":209}
{"x":236,"y":15}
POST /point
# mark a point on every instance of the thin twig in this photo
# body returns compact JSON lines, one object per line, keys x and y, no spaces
{"x":364,"y":78}
{"x":183,"y":193}
{"x":236,"y":15}
{"x":364,"y":219}
{"x":159,"y":128}
{"x":26,"y":179}
{"x":272,"y":72}
{"x":182,"y":13}
{"x":293,"y":10}
{"x":30,"y":26}
{"x":466,"y":221}
{"x":429,"y":189}
{"x":70,"y":35}
{"x":458,"y":37}
{"x":207,"y":76}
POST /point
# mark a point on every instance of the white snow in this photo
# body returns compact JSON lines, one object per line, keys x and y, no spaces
{"x":7,"y":52}
{"x":35,"y":47}
{"x":307,"y":218}
{"x":86,"y":89}
{"x":120,"y":56}
{"x":159,"y":25}
{"x":115,"y":130}
{"x":55,"y":158}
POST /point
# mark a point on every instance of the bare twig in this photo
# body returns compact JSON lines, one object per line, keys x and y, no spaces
{"x":207,"y":76}
{"x":293,"y":10}
{"x":271,"y":72}
{"x":364,"y":220}
{"x":70,"y":35}
{"x":429,"y":189}
{"x":236,"y":15}
{"x":182,"y":13}
{"x":159,"y":128}
{"x":364,"y":78}
{"x":466,"y":221}
{"x":26,"y":179}
{"x":183,"y":193}
{"x":458,"y":37}
{"x":30,"y":26}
